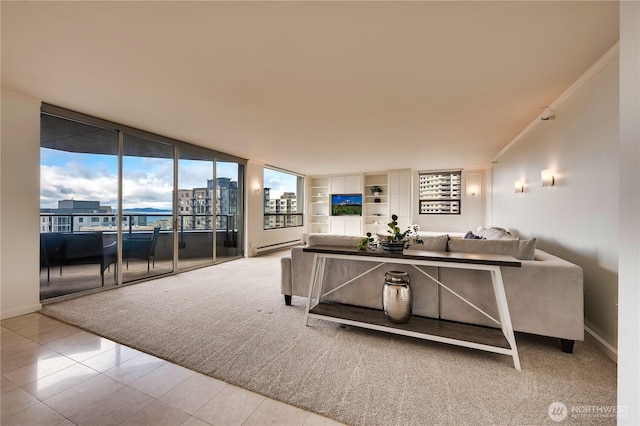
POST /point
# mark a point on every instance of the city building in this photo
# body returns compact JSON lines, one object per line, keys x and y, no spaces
{"x":78,"y":215}
{"x":278,"y":210}
{"x":196,"y":205}
{"x":83,"y":216}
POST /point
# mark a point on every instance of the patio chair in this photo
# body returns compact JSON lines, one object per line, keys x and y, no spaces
{"x":59,"y":249}
{"x":141,"y":246}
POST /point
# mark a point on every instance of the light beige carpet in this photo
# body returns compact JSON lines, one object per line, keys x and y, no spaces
{"x":229,"y":321}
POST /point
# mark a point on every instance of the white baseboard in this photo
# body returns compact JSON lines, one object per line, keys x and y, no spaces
{"x":603,"y":344}
{"x":276,"y":246}
{"x":21,"y":311}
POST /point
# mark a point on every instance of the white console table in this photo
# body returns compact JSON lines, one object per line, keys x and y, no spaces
{"x":500,"y":341}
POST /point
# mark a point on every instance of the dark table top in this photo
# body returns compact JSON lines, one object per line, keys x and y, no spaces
{"x":438,"y":256}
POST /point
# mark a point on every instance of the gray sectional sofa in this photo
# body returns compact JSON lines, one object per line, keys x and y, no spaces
{"x":545,"y":295}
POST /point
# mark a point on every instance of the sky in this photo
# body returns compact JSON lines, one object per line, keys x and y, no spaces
{"x":147,"y":182}
{"x":279,"y":182}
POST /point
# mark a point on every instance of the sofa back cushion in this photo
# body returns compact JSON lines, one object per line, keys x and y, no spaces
{"x":520,"y":249}
{"x":333,"y":240}
{"x":526,"y":249}
{"x":504,"y":247}
{"x":436,"y":243}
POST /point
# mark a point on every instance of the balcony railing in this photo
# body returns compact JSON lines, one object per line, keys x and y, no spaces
{"x":68,"y":266}
{"x":282,"y":220}
{"x":191,"y":227}
{"x":138,"y":222}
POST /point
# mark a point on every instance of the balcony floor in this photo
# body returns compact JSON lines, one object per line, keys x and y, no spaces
{"x":80,"y":278}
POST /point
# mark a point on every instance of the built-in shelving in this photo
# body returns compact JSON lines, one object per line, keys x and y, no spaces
{"x":319,"y":205}
{"x":376,"y":205}
{"x":394,"y":198}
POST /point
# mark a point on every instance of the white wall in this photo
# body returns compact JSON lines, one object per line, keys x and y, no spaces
{"x":577,"y":219}
{"x":20,"y":205}
{"x":629,"y":257}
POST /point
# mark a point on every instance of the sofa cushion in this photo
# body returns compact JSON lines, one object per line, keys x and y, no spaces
{"x":526,"y":249}
{"x":333,"y":240}
{"x":504,"y":247}
{"x":520,"y":249}
{"x":436,"y":243}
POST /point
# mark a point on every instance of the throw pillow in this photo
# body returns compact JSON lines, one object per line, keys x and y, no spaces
{"x":496,"y":233}
{"x":471,"y":236}
{"x":481,"y":231}
{"x":526,"y":249}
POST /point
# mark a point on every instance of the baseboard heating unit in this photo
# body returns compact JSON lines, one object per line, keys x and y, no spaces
{"x":277,"y":246}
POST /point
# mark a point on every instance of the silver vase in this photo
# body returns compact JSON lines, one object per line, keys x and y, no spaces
{"x":396,"y":296}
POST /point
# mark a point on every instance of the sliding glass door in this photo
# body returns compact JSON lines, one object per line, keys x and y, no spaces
{"x":119,"y":205}
{"x":210,"y":213}
{"x":147,"y":208}
{"x":196,"y":204}
{"x":229,"y":210}
{"x":78,"y":206}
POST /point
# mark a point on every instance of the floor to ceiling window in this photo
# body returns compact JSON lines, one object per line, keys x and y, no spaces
{"x":120,"y":205}
{"x":229,"y":184}
{"x":147,"y":208}
{"x":78,"y":201}
{"x":195,"y":209}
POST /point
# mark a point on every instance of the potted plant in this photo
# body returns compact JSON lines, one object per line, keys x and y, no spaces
{"x":396,"y":240}
{"x":376,"y":191}
{"x":365,"y":242}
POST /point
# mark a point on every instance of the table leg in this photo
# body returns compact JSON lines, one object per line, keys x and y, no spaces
{"x":317,"y":278}
{"x":503,"y":312}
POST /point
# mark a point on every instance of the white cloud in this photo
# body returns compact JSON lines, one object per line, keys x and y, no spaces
{"x":76,"y":182}
{"x":194,"y":174}
{"x":279,"y":183}
{"x":147,"y":182}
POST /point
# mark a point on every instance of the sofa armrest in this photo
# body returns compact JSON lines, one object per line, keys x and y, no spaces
{"x":545,"y":296}
{"x":285,"y":276}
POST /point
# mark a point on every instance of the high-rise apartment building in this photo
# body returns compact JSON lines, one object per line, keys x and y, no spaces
{"x":277,"y":209}
{"x":195,"y":206}
{"x":76,"y":216}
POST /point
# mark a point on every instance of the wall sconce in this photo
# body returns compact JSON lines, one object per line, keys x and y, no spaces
{"x":256,"y":188}
{"x":473,"y":190}
{"x":547,"y":178}
{"x":518,"y":186}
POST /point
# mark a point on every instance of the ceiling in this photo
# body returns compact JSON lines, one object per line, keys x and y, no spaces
{"x":312,"y":87}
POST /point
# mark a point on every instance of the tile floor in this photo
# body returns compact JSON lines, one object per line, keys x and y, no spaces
{"x":57,"y":374}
